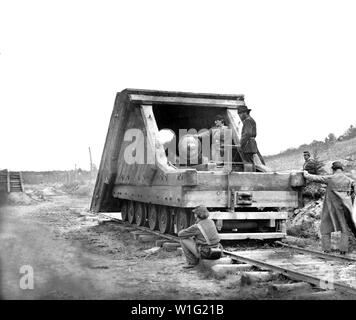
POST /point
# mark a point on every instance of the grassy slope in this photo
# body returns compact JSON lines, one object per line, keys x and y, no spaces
{"x":294,"y":160}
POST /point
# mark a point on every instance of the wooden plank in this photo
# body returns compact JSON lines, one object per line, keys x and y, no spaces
{"x":248,"y":215}
{"x":160,"y":178}
{"x":141,"y":168}
{"x":108,"y":164}
{"x":255,"y":180}
{"x":216,"y":199}
{"x":225,"y":269}
{"x":149,"y":174}
{"x":234,"y":124}
{"x":260,"y":199}
{"x":239,"y":97}
{"x":181,"y":177}
{"x":158,"y":194}
{"x":145,"y":172}
{"x":275,"y":198}
{"x":155,"y":148}
{"x":269,"y":181}
{"x":171,"y":196}
{"x":258,"y":236}
{"x":124,"y":169}
{"x":150,"y":99}
{"x":130,"y":169}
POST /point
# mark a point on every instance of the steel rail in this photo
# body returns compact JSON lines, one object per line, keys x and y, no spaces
{"x":319,"y":282}
{"x":319,"y":254}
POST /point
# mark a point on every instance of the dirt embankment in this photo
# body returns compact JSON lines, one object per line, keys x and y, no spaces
{"x":305,"y":222}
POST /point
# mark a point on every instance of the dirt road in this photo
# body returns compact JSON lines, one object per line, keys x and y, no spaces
{"x":75,"y":257}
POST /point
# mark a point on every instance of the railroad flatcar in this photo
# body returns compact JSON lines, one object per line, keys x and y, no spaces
{"x":153,"y":183}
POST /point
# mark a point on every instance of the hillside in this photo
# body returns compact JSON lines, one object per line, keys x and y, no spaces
{"x":293,"y":159}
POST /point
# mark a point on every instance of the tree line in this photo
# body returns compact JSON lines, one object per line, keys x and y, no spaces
{"x":320,"y":145}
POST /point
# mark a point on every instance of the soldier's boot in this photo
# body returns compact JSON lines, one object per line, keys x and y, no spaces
{"x":191,"y":253}
{"x":326,"y":242}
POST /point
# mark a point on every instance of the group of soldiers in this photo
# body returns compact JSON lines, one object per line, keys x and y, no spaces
{"x":201,"y":240}
{"x":248,"y":146}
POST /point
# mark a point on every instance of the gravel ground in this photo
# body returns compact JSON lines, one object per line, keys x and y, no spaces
{"x":75,"y":256}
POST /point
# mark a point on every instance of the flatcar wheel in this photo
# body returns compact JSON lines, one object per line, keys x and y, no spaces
{"x":131,"y":212}
{"x":124,"y":208}
{"x":164,"y":219}
{"x":182,"y":219}
{"x":140,"y":213}
{"x":153,"y":217}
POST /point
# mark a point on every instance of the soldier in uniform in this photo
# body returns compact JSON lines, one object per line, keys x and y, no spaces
{"x":312,"y":190}
{"x":198,"y":239}
{"x":337,"y":207}
{"x":218,"y":134}
{"x":309,"y":164}
{"x":248,"y":136}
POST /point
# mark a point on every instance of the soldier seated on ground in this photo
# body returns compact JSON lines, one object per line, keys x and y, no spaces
{"x":201,"y":240}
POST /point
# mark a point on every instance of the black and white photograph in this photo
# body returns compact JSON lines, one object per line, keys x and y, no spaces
{"x":182,"y":153}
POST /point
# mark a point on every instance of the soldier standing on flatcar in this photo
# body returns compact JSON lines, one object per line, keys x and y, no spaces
{"x":337,"y":209}
{"x":248,"y":137}
{"x":201,"y":240}
{"x":218,"y":134}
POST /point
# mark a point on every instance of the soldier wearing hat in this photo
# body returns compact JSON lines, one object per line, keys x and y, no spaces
{"x":309,"y":164}
{"x":312,"y":190}
{"x":200,"y":239}
{"x":248,"y":136}
{"x":337,"y":207}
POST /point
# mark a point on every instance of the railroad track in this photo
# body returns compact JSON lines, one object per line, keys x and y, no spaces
{"x":323,"y":270}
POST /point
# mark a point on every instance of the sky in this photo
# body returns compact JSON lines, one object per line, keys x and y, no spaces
{"x":62,"y":62}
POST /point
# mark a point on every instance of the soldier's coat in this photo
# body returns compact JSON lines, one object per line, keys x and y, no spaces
{"x":310,"y":166}
{"x":337,"y":212}
{"x":248,"y":142}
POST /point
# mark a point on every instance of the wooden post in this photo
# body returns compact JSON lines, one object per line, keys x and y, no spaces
{"x":91,"y":164}
{"x":21,"y":181}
